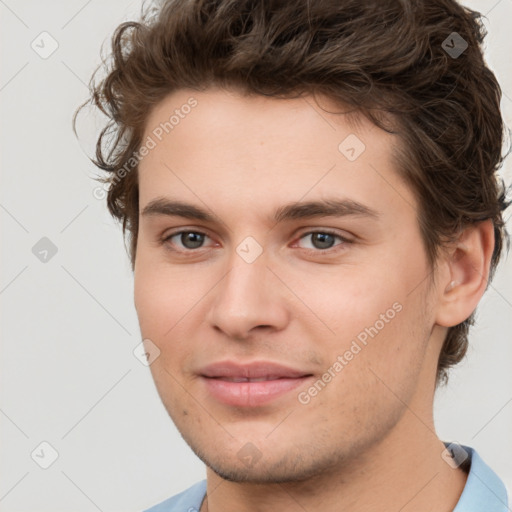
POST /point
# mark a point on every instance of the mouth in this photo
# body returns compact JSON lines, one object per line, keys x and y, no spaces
{"x":250,"y":385}
{"x":246,"y":379}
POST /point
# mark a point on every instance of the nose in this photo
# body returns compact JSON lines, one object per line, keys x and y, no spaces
{"x":248,"y":299}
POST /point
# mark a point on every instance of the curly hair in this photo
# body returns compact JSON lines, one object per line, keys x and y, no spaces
{"x":418,"y":63}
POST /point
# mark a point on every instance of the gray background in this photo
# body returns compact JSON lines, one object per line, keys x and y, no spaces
{"x":69,"y":327}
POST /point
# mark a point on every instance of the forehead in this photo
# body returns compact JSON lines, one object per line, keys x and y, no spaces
{"x":254,"y":119}
{"x":222,"y":146}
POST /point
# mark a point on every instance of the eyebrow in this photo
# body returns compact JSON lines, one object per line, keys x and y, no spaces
{"x":292,"y":211}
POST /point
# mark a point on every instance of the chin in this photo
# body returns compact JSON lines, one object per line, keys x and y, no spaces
{"x":288,"y":469}
{"x":263,"y":475}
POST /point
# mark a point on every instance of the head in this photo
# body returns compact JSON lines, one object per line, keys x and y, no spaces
{"x":241,"y":109}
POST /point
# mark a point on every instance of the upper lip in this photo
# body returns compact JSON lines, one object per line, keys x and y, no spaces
{"x":252,"y":370}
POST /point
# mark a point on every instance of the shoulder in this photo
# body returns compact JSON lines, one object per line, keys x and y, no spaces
{"x":187,"y":501}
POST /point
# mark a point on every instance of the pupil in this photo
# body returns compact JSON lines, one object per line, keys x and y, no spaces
{"x":192,"y":240}
{"x":323,"y":240}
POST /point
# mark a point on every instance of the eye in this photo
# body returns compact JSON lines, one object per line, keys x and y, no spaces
{"x":189,"y":240}
{"x":323,"y":240}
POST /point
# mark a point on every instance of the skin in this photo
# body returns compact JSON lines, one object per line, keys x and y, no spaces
{"x":367,"y":440}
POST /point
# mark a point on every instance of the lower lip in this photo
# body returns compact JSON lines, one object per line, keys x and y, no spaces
{"x":251,"y":394}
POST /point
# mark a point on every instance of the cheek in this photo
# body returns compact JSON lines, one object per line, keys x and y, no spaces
{"x":372,"y":380}
{"x":375,"y":325}
{"x":168,"y":305}
{"x":387,"y":369}
{"x":162,"y":298}
{"x":342,"y":304}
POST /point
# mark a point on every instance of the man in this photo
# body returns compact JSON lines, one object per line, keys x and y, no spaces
{"x":314,"y":215}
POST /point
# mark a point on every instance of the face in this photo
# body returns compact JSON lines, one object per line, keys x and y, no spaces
{"x":281,"y":275}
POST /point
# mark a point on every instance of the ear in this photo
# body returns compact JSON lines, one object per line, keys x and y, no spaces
{"x":465,"y":274}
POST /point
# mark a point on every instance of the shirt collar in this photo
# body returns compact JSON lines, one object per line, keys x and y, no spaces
{"x":484,"y":491}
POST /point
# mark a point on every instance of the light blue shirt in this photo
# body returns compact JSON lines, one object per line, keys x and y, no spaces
{"x":483,"y":492}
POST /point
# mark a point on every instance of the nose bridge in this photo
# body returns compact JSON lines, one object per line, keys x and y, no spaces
{"x":247,"y":297}
{"x":246,"y":280}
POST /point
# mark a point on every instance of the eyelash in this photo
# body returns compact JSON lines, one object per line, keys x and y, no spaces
{"x":344,"y":241}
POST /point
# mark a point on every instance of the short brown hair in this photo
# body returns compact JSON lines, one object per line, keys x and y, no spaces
{"x":387,"y":59}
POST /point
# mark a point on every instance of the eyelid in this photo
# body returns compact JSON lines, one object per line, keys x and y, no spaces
{"x":329,"y":231}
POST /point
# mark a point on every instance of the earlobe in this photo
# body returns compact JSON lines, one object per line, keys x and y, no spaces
{"x":468,"y":273}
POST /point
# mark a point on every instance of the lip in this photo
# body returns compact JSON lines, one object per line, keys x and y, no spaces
{"x":233,"y":384}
